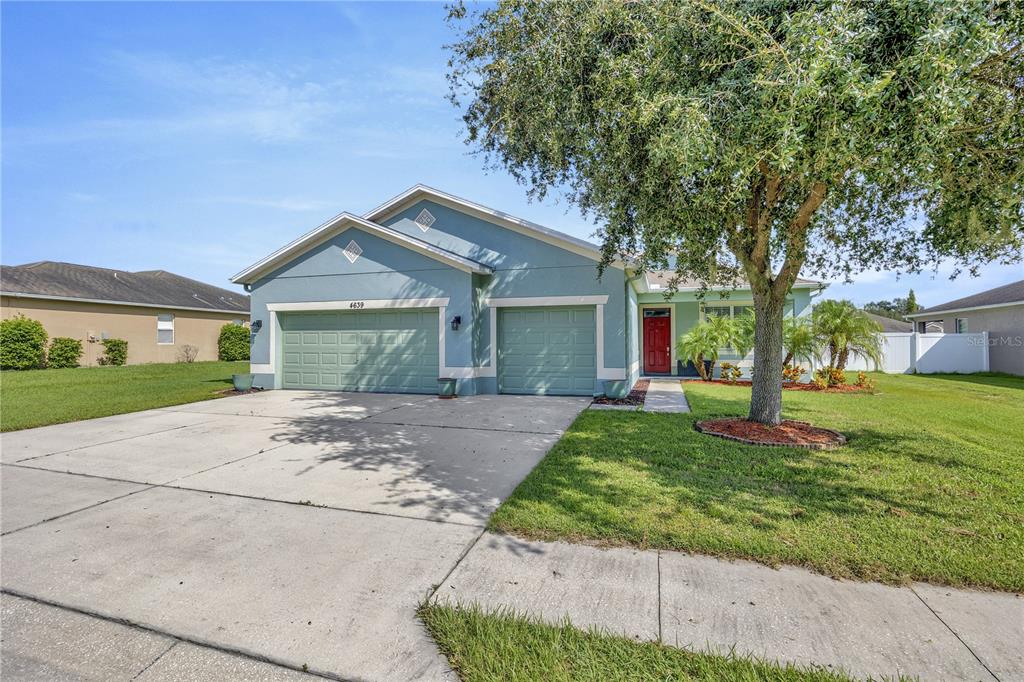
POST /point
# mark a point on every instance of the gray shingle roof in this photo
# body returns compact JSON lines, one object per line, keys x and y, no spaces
{"x":147,"y":287}
{"x":891,"y":325}
{"x":660,"y":279}
{"x":1008,"y":293}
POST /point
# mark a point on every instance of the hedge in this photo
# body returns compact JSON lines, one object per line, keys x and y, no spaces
{"x":233,"y":343}
{"x":64,"y":352}
{"x":115,"y":352}
{"x":22,"y":343}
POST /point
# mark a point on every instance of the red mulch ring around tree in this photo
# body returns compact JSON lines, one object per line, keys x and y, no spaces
{"x":789,"y":433}
{"x":635,"y":398}
{"x":790,"y":386}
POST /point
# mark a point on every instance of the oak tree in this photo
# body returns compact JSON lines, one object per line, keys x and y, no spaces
{"x":757,"y":140}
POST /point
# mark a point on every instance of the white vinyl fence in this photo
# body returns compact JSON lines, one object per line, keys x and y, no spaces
{"x":906,"y":353}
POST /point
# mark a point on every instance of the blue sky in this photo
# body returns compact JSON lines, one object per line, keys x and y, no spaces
{"x":197,"y":138}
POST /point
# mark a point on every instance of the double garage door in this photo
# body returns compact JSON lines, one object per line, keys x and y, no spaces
{"x":393,"y":350}
{"x":541,"y":351}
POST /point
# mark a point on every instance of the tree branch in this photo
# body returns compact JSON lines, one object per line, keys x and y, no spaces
{"x":796,"y":240}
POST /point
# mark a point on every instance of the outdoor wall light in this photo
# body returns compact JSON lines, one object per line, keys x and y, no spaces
{"x":456,"y":321}
{"x":256,"y":325}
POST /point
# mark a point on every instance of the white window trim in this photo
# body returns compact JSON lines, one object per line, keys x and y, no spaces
{"x":164,"y":329}
{"x":364,"y":304}
{"x":672,"y":331}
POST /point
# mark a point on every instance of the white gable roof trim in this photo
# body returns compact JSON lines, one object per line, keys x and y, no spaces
{"x":339,"y":224}
{"x":399,"y":203}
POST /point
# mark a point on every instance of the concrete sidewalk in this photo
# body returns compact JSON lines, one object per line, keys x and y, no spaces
{"x":666,"y":395}
{"x":790,"y":614}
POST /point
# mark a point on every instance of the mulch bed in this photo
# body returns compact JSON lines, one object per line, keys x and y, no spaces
{"x":635,"y":398}
{"x":790,"y":433}
{"x":231,"y":391}
{"x":790,"y":386}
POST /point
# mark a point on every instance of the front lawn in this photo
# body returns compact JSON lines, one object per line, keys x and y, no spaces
{"x":53,"y":396}
{"x":482,"y":646}
{"x":930,"y":486}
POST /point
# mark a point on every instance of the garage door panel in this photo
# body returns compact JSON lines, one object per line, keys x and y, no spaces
{"x":547,"y":350}
{"x":365,"y":350}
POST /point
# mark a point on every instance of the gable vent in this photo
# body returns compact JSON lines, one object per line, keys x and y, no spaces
{"x":425,"y":219}
{"x":352,"y":251}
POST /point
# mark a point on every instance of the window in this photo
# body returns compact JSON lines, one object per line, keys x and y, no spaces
{"x":961,"y":325}
{"x":734,"y":311}
{"x":165,"y":328}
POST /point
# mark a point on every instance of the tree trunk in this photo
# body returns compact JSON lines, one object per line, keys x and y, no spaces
{"x":844,"y":356}
{"x":700,"y":368}
{"x":766,"y":390}
{"x":788,"y":360}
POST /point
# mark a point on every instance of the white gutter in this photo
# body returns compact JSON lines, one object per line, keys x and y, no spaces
{"x":47,"y":297}
{"x":964,"y":310}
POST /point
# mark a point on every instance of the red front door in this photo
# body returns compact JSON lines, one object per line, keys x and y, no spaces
{"x":657,"y":345}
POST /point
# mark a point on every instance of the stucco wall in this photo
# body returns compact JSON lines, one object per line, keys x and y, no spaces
{"x":135,"y":324}
{"x":1005,"y":327}
{"x":523,"y":267}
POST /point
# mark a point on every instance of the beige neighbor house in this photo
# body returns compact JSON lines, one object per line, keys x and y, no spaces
{"x":999,"y":311}
{"x":156,"y":312}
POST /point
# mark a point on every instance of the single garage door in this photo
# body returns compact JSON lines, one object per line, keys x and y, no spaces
{"x":361,"y":350}
{"x":547,"y":351}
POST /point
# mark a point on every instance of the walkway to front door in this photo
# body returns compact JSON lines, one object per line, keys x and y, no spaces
{"x":657,"y":341}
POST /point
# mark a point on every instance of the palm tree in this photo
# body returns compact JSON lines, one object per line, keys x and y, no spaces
{"x":844,"y":329}
{"x":705,"y":341}
{"x":799,"y":340}
{"x":797,"y":336}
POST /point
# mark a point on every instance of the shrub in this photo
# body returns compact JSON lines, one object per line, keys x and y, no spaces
{"x":863,"y":382}
{"x":829,"y":376}
{"x":233,"y":343}
{"x":793,"y":372}
{"x":731,"y":372}
{"x":22,"y":343}
{"x":115,"y":352}
{"x":64,"y":352}
{"x":188,"y":353}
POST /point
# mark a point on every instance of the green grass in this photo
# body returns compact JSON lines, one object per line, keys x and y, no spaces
{"x":929,"y":487}
{"x":504,"y":646}
{"x":53,"y":396}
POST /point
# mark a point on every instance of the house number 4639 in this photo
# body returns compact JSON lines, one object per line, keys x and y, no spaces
{"x":356,"y":305}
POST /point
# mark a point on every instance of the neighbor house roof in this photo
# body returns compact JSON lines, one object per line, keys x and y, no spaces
{"x":1008,"y":294}
{"x":890,"y":325}
{"x":339,"y":224}
{"x":149,"y":288}
{"x":660,"y":280}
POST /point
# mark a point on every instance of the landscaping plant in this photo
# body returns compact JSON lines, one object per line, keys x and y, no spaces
{"x":64,"y":352}
{"x":760,"y":140}
{"x":115,"y":352}
{"x":188,"y":353}
{"x":22,"y":343}
{"x":704,"y":343}
{"x":730,"y":372}
{"x":793,"y":373}
{"x":233,"y":343}
{"x":845,"y":331}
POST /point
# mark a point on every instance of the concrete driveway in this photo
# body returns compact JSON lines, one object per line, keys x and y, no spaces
{"x":254,"y":536}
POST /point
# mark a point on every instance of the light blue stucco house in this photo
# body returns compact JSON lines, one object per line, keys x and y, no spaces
{"x":430,"y":285}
